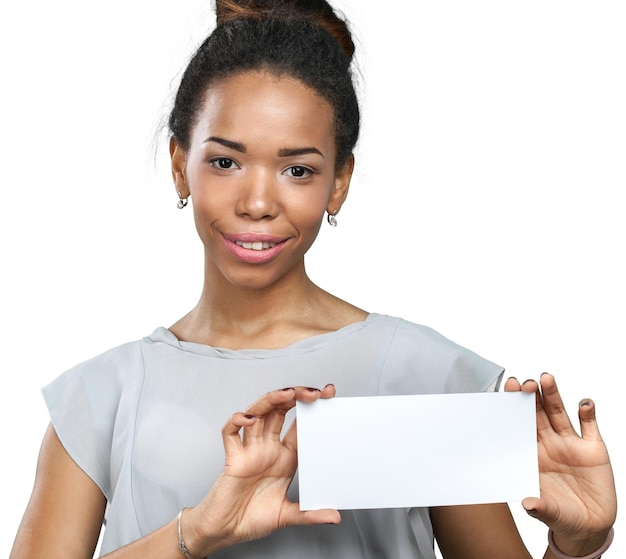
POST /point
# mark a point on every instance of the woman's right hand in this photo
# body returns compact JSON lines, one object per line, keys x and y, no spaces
{"x":249,"y":499}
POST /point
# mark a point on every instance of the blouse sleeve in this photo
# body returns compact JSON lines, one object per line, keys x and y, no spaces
{"x":86,"y":409}
{"x":422,"y":361}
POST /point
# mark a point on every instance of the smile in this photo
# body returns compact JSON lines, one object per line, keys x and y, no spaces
{"x":257,"y":245}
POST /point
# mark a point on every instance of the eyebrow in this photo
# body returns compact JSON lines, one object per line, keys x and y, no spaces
{"x":284,"y":152}
{"x":237,"y":146}
{"x":289,"y":152}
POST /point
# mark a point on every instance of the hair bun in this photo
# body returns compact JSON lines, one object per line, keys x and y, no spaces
{"x":319,"y":12}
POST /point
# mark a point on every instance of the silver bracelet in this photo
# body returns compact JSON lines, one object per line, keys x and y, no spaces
{"x":595,"y":555}
{"x":181,"y":542}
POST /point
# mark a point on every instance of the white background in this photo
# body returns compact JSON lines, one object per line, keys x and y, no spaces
{"x":487,"y":200}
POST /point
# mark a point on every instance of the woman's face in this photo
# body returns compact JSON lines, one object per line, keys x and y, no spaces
{"x":260,"y":170}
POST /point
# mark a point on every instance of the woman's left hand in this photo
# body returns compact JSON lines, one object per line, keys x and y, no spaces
{"x":578,"y":499}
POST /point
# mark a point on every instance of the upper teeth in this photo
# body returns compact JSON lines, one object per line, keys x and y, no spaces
{"x":257,"y":245}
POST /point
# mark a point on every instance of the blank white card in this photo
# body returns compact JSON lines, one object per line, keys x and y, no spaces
{"x":417,"y":450}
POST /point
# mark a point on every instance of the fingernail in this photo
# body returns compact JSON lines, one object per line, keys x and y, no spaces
{"x":329,"y":384}
{"x":288,"y":388}
{"x":585,"y":403}
{"x":248,"y":416}
{"x":532,"y":512}
{"x":313,"y":389}
{"x":528,"y":380}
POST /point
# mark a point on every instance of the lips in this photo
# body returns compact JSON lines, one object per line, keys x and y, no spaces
{"x":254,"y":248}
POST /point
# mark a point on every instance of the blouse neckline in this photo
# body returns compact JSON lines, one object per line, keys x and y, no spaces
{"x":163,"y":335}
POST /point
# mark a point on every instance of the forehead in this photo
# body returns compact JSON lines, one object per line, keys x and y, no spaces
{"x":262,"y":104}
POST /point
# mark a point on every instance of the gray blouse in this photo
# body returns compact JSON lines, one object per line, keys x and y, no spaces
{"x":144,"y":421}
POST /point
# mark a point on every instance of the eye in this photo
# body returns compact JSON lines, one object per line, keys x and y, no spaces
{"x":299,"y":172}
{"x":223,"y":163}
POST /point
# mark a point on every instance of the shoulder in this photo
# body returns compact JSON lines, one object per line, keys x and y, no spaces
{"x":410,"y":334}
{"x":106,"y":373}
{"x":433,"y":362}
{"x":112,"y":361}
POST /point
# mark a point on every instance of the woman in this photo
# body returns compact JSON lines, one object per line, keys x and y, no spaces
{"x":262,"y":133}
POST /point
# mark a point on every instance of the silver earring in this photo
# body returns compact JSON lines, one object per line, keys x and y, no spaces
{"x":182,"y":202}
{"x":332,"y":219}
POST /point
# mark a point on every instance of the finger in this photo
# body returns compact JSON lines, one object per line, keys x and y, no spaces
{"x":231,"y":432}
{"x":322,"y":516}
{"x":274,"y":422}
{"x":587,"y":417}
{"x":276,"y":418}
{"x":547,"y":399}
{"x":531,"y":505}
{"x":290,"y":440}
{"x":543,"y":423}
{"x":512,"y":385}
{"x":272,"y":408}
{"x":553,"y":406}
{"x":545,"y":510}
{"x":283,"y":399}
{"x":270,"y":411}
{"x":307,"y":393}
{"x":536,"y":508}
{"x":293,"y":516}
{"x":530,"y":385}
{"x":328,"y":391}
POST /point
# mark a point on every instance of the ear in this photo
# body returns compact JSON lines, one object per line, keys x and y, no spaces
{"x":342,"y":184}
{"x":178,"y":157}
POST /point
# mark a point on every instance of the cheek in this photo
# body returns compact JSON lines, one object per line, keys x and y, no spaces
{"x":209,"y":198}
{"x":208,"y":208}
{"x":311,"y":217}
{"x":310,"y":209}
{"x":309,"y":212}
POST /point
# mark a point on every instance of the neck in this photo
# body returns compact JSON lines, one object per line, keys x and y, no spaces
{"x":233,"y":305}
{"x":266,"y":317}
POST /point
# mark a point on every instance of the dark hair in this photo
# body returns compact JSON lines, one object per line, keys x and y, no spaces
{"x":303,"y":39}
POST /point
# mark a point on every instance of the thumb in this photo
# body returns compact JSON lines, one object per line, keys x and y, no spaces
{"x":296,"y":517}
{"x":536,"y":508}
{"x":530,"y":505}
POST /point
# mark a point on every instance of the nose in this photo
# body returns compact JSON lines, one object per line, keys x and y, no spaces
{"x":257,"y":196}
